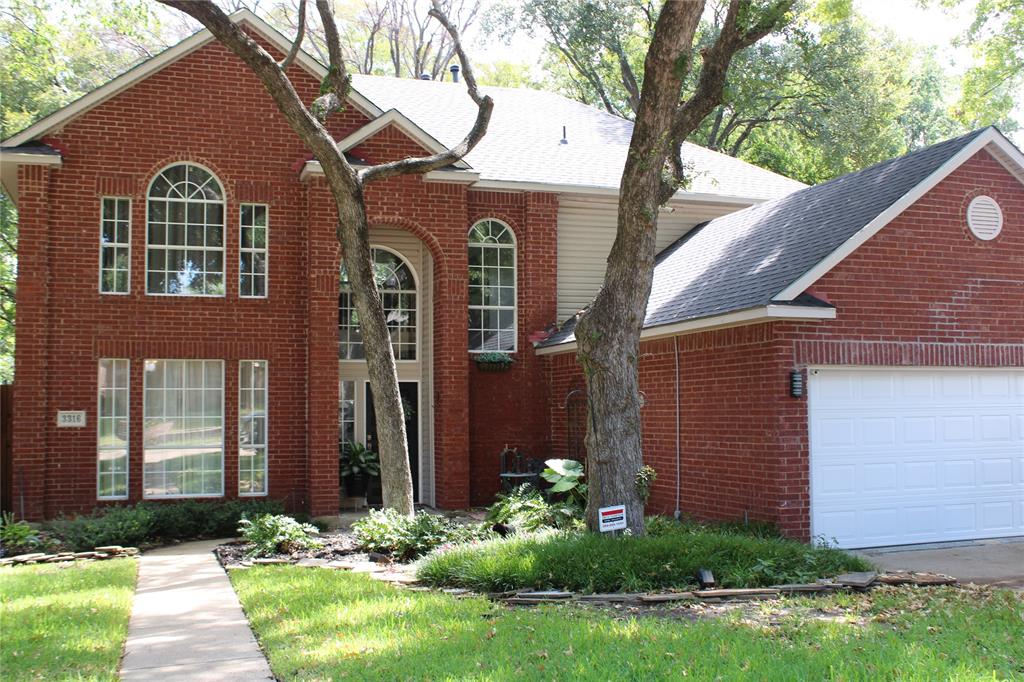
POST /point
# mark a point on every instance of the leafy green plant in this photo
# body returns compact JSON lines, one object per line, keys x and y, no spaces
{"x":388,"y":532}
{"x":566,"y":476}
{"x":666,"y":525}
{"x":272,"y":534}
{"x":358,"y":460}
{"x":525,"y":509}
{"x":495,"y":360}
{"x":17,"y":536}
{"x":644,"y":480}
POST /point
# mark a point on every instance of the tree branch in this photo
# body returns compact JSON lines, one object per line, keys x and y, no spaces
{"x":299,"y":36}
{"x":483,"y":117}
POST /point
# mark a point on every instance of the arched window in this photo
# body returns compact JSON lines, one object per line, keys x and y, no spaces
{"x":492,"y":287}
{"x":185,"y":233}
{"x":397,"y":287}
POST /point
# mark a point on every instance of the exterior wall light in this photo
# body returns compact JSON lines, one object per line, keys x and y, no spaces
{"x":796,"y":384}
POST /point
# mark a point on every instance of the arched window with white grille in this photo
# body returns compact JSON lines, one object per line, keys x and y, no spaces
{"x":492,"y":287}
{"x":396,"y":284}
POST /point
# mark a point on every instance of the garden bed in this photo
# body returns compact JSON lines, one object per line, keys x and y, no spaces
{"x":337,"y":545}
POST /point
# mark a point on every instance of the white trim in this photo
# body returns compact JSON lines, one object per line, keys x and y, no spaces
{"x":766,"y":313}
{"x":681,"y":195}
{"x":115,"y":245}
{"x":265,"y":250}
{"x":402,"y":122}
{"x":127,"y":438}
{"x":990,"y":138}
{"x":266,"y":429}
{"x":167,"y":57}
{"x":31,"y":158}
{"x":448,"y":175}
{"x":515,"y":283}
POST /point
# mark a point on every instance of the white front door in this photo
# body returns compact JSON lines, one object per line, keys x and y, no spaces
{"x":901,"y":456}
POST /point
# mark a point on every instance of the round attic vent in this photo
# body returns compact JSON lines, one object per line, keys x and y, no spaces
{"x":984,"y":218}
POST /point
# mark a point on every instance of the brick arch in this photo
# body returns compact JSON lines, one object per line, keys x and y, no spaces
{"x":517,"y":229}
{"x":186,"y":157}
{"x":412,"y":227}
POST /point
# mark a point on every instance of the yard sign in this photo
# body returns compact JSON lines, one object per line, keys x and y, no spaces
{"x":611,"y":518}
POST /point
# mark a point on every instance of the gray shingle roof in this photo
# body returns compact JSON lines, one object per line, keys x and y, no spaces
{"x":523,"y":140}
{"x":744,"y":259}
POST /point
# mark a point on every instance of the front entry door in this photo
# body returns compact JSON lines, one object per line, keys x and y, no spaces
{"x":410,"y":393}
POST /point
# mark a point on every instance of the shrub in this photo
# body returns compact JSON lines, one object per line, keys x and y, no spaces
{"x":154,"y":523}
{"x":277,"y":534}
{"x":17,"y":537}
{"x":587,"y":562}
{"x":566,"y":476}
{"x":525,"y":509}
{"x":666,"y":525}
{"x":389,"y":532}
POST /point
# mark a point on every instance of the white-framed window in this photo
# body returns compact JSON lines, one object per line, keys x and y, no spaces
{"x":252,"y":427}
{"x":115,"y":244}
{"x":492,"y":287}
{"x":254,"y":228}
{"x":396,"y":284}
{"x":112,"y":429}
{"x":185,"y":233}
{"x":183,"y":428}
{"x":346,"y":412}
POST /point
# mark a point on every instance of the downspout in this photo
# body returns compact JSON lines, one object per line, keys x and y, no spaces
{"x":678,"y":512}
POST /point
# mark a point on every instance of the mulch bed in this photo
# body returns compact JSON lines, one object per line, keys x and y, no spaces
{"x":339,"y":545}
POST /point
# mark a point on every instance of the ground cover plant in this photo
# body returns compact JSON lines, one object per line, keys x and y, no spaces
{"x":150,"y":523}
{"x":526,"y":509}
{"x":271,"y":534}
{"x":321,"y":625}
{"x":588,"y":562}
{"x":65,"y":621}
{"x":388,"y":532}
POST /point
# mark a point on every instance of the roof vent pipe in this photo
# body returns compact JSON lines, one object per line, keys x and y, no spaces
{"x":425,"y":77}
{"x":564,"y":140}
{"x":454,"y":68}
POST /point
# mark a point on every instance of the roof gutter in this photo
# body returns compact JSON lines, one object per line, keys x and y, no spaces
{"x":768,"y":313}
{"x":10,"y":160}
{"x":315,"y":170}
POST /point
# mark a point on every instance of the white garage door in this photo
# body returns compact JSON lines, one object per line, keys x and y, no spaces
{"x":919,"y":455}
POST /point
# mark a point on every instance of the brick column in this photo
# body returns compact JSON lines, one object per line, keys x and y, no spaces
{"x":322,"y":254}
{"x":31,"y":411}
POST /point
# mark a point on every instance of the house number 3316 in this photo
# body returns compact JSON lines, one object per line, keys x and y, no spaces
{"x":71,"y":418}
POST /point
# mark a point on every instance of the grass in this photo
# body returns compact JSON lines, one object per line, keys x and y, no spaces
{"x":316,"y":624}
{"x":586,"y":562}
{"x":65,"y":621}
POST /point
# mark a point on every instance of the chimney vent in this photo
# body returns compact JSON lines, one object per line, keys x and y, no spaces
{"x":454,"y":68}
{"x":425,"y":77}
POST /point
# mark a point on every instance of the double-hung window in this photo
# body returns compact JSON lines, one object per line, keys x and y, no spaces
{"x":492,"y":287}
{"x":112,"y":430}
{"x":252,"y":427}
{"x":253,"y":228}
{"x":185,"y":233}
{"x":183,"y":428}
{"x":115,"y":244}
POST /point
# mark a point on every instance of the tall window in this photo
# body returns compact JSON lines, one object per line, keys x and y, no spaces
{"x":185,"y":233}
{"x":492,"y":287}
{"x":397,"y":288}
{"x":253,"y":251}
{"x":112,"y":430}
{"x":347,"y":412}
{"x":252,"y":427}
{"x":183,"y":428}
{"x":115,"y":244}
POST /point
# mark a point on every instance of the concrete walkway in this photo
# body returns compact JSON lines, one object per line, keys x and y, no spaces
{"x":187,"y":623}
{"x":989,"y":562}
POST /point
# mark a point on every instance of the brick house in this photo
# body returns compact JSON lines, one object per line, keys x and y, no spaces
{"x":845,"y":360}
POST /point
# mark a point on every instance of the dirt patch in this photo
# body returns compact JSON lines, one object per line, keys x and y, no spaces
{"x":337,"y":545}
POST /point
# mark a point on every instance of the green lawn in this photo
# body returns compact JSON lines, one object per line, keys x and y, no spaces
{"x":64,"y":621}
{"x":318,"y":624}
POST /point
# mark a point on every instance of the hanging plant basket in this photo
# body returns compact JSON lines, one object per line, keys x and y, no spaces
{"x":494,"y":362}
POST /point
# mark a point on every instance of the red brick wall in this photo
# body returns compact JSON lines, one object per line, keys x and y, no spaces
{"x":205,"y":108}
{"x":923,"y":292}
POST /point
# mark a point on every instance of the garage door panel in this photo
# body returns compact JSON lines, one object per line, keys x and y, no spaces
{"x":902,"y":456}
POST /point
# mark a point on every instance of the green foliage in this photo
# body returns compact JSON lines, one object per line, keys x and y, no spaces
{"x":493,"y":358}
{"x":16,"y":536}
{"x":526,"y":510}
{"x":63,"y":622}
{"x":666,"y":525}
{"x":587,"y":562}
{"x":153,"y":523}
{"x":566,"y":476}
{"x":644,"y":479}
{"x":358,"y":460}
{"x":388,"y":532}
{"x":272,"y":534}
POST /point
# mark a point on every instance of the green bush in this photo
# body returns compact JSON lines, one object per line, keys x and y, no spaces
{"x":525,"y":509}
{"x":666,"y":525}
{"x":587,"y":562}
{"x":16,"y":537}
{"x":389,"y":532}
{"x":277,"y":534}
{"x":150,"y":523}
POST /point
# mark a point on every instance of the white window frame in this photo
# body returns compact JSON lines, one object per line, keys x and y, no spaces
{"x":266,"y":427}
{"x":128,"y":425}
{"x":251,"y":250}
{"x":515,"y":280}
{"x":223,"y":398}
{"x":224,"y":235}
{"x":126,"y":245}
{"x":341,"y":418}
{"x":418,"y":293}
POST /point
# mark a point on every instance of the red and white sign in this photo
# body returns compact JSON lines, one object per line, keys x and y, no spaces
{"x":611,"y":518}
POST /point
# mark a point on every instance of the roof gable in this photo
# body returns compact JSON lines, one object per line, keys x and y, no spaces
{"x":407,"y":126}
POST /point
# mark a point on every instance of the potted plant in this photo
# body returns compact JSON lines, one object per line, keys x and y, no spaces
{"x":357,"y":466}
{"x":494,"y":362}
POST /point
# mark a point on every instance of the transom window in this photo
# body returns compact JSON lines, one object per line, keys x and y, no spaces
{"x":397,"y":288}
{"x":185,"y":233}
{"x":492,"y":287}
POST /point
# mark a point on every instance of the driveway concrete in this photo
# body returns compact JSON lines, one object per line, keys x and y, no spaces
{"x":989,"y":562}
{"x":186,"y":622}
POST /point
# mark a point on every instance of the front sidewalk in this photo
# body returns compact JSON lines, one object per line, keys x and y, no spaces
{"x":186,"y":623}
